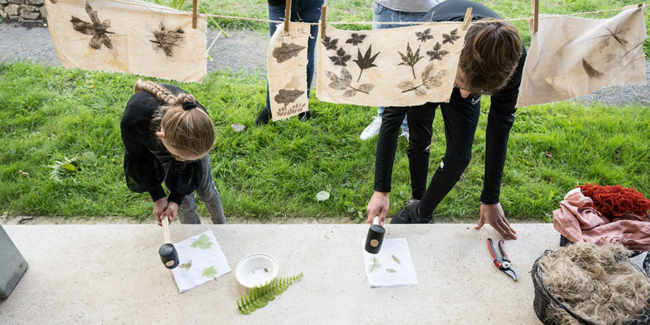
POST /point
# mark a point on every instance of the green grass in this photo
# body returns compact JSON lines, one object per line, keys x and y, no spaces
{"x":361,"y":11}
{"x":49,"y":113}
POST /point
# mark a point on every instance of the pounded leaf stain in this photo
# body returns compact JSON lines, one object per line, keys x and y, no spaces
{"x":167,"y":40}
{"x":97,"y":28}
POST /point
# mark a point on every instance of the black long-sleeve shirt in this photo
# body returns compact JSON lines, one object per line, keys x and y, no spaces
{"x":147,"y":163}
{"x":502,"y":108}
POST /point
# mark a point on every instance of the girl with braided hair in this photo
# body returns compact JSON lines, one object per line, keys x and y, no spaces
{"x":167,"y":136}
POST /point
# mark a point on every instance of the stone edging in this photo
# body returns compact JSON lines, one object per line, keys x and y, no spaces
{"x":23,"y":10}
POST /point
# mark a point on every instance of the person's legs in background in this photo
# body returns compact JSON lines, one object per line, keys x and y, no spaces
{"x":307,"y":11}
{"x":381,"y":14}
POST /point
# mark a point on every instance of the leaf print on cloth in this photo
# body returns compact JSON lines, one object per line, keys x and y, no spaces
{"x":391,"y":271}
{"x":437,"y":52}
{"x":343,"y":83}
{"x":365,"y":61}
{"x":286,"y":96}
{"x":410,"y":59}
{"x":396,"y":259}
{"x":292,"y":109}
{"x":330,"y":44}
{"x":451,"y":37}
{"x":203,"y":242}
{"x":287,"y":51}
{"x":374,"y":266}
{"x":593,"y":73}
{"x":340,"y":58}
{"x":167,"y":40}
{"x":429,"y":80}
{"x":355,"y":39}
{"x":425,"y":35}
{"x":210,"y":272}
{"x":97,"y":28}
{"x":186,"y":266}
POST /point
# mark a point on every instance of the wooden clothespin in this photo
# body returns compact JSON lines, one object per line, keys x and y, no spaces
{"x":468,"y":18}
{"x":535,"y":15}
{"x":195,"y":12}
{"x":287,"y":16}
{"x":323,"y":22}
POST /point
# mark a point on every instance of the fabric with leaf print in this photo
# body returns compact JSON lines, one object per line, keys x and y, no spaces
{"x":128,"y":36}
{"x":571,"y":57}
{"x":201,"y":261}
{"x":392,"y":266}
{"x":389,"y":67}
{"x":287,"y":70}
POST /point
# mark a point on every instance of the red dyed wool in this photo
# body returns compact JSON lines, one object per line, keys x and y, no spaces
{"x":617,"y":202}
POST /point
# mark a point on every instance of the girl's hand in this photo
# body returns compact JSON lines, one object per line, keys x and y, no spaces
{"x":171,"y":212}
{"x":158,"y":208}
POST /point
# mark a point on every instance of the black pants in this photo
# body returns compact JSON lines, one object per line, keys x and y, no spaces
{"x":460,"y":117}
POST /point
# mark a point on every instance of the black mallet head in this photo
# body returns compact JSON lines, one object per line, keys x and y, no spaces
{"x":168,"y":255}
{"x":374,"y":239}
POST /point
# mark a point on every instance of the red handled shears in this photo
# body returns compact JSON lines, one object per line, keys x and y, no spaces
{"x":502,"y":262}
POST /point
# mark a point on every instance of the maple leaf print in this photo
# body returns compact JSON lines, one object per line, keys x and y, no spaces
{"x":356,"y":39}
{"x":410,"y":59}
{"x":451,"y":37}
{"x":330,"y":44}
{"x":365,"y":61}
{"x":437,"y":52}
{"x":340,"y":58}
{"x":97,"y":28}
{"x":425,"y":35}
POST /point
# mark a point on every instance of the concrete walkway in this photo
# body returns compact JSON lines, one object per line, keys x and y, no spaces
{"x":112,"y":274}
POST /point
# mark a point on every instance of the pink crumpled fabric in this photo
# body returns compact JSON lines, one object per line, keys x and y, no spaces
{"x":578,"y":221}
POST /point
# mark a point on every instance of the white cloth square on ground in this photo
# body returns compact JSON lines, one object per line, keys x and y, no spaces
{"x":200,"y":260}
{"x":392,"y":266}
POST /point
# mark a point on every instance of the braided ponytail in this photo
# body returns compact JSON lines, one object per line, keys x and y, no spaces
{"x":188,"y":133}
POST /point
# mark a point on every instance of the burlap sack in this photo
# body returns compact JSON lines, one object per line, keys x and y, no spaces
{"x":571,"y":57}
{"x":287,"y":69}
{"x":389,"y":67}
{"x":128,"y":36}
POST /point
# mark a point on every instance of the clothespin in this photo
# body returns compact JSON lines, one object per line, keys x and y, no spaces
{"x":535,"y":15}
{"x":468,"y":18}
{"x":195,"y":12}
{"x":323,"y":22}
{"x":287,"y":16}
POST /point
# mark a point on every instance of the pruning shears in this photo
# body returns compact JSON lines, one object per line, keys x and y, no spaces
{"x":502,"y":262}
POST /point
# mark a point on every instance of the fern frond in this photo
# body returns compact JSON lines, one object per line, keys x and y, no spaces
{"x":259,"y":296}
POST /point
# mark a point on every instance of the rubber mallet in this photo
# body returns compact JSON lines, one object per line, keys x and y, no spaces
{"x":167,"y":251}
{"x":375,"y":237}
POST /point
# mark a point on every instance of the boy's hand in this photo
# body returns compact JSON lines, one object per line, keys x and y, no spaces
{"x":158,"y":208}
{"x":493,"y":214}
{"x":378,"y":205}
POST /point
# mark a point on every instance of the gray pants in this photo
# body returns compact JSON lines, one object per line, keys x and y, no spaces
{"x":208,"y":193}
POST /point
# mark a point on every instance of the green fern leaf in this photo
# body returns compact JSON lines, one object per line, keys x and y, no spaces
{"x":259,"y":297}
{"x":203,"y":242}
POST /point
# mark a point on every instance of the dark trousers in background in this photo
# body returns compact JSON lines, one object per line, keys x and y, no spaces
{"x":460,"y":117}
{"x":307,"y":11}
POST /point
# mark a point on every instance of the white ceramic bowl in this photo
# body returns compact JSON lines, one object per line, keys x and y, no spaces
{"x":256,"y":269}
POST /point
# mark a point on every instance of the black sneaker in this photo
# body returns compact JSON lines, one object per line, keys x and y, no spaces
{"x":264,"y":116}
{"x":410,"y":215}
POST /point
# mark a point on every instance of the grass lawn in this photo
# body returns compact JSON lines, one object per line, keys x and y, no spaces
{"x":48,"y":114}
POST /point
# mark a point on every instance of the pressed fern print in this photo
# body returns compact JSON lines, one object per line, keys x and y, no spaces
{"x":374,"y":266}
{"x":203,"y":242}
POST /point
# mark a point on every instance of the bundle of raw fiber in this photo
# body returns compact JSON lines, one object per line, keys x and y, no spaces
{"x":617,"y":202}
{"x":597,"y":283}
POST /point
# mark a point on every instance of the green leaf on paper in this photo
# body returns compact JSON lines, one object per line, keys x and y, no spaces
{"x":203,"y":242}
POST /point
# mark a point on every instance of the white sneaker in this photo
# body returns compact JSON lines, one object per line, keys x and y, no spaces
{"x":372,"y":129}
{"x":405,"y":134}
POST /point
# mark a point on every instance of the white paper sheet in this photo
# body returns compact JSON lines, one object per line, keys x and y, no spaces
{"x":200,"y":261}
{"x":392,"y":266}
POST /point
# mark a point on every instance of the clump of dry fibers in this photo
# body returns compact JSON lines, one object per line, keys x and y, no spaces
{"x":597,"y":283}
{"x":617,"y":202}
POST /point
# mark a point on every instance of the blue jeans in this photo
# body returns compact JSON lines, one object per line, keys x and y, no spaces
{"x":382,"y":14}
{"x":307,"y":11}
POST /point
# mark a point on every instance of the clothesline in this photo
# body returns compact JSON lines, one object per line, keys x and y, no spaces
{"x":418,"y":23}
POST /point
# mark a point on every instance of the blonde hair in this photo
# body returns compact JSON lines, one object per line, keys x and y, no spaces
{"x":189,"y":133}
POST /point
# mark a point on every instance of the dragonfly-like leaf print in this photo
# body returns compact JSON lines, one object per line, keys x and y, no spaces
{"x":97,"y":28}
